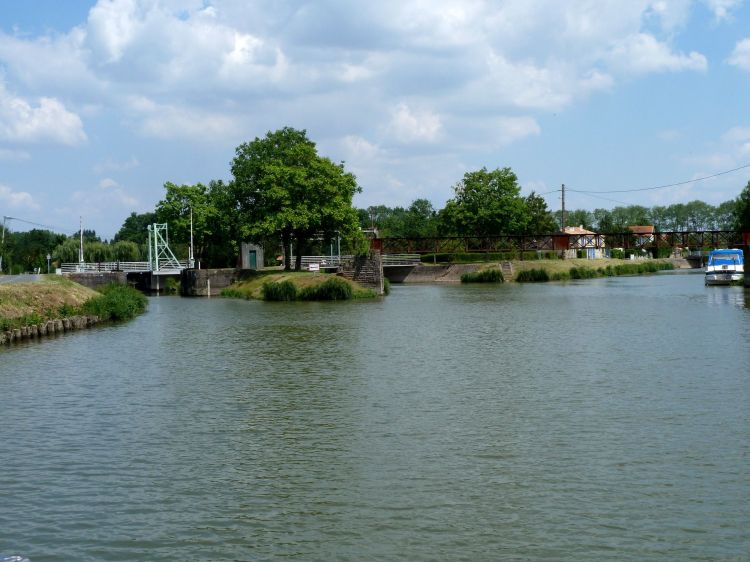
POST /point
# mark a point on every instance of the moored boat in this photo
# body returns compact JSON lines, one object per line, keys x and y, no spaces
{"x":725,"y":267}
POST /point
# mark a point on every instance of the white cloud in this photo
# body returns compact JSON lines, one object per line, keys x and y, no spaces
{"x":740,"y":57}
{"x":110,"y":165}
{"x":510,"y":129}
{"x":410,"y":125}
{"x":176,"y":122}
{"x":49,"y":120}
{"x":642,"y":53}
{"x":17,"y":199}
{"x":108,"y":183}
{"x":722,"y":8}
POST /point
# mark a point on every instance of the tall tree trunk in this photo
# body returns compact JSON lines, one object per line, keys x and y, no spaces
{"x":285,"y":241}
{"x":300,"y":247}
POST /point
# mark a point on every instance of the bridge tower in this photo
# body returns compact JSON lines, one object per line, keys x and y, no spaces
{"x":160,"y":257}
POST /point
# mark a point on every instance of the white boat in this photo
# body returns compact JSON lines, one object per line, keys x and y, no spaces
{"x":725,"y":267}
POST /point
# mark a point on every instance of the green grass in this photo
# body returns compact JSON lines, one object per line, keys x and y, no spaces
{"x":116,"y":302}
{"x":490,"y":275}
{"x":297,"y":286}
{"x":279,"y":291}
{"x":539,"y":275}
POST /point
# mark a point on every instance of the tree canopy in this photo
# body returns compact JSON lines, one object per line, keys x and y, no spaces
{"x":282,"y":187}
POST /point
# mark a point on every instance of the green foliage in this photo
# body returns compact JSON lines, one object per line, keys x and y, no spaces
{"x":171,"y":286}
{"x":582,"y":272}
{"x":117,"y":302}
{"x":532,"y":276}
{"x":332,"y":289}
{"x":134,"y":229}
{"x":283,"y":188}
{"x":279,"y":291}
{"x":742,"y":210}
{"x":491,"y":275}
{"x":617,"y":253}
{"x":560,"y":276}
{"x":386,"y":286}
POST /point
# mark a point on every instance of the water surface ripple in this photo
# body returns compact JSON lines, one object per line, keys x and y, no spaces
{"x":601,"y":420}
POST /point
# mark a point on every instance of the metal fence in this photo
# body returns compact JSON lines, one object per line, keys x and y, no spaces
{"x":103,"y":267}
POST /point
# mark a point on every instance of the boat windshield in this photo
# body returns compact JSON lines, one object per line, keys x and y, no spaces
{"x":725,"y":259}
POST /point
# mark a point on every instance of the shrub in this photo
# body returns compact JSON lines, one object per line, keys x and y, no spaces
{"x":332,"y":289}
{"x":560,"y":276}
{"x":582,"y":272}
{"x":491,"y":275}
{"x":117,"y":302}
{"x":532,"y":276}
{"x":281,"y":291}
{"x":617,"y":253}
{"x":386,"y":286}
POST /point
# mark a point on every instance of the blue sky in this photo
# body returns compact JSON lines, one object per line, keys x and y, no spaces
{"x":102,"y":102}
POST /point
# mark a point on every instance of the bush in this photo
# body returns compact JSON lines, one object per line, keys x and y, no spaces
{"x":616,"y":253}
{"x":561,"y":276}
{"x":582,"y":272}
{"x":532,"y":276}
{"x":117,"y":302}
{"x":282,"y":291}
{"x":333,"y":289}
{"x":491,"y":275}
{"x":386,"y":286}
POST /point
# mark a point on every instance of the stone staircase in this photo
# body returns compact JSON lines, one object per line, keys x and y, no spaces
{"x":365,"y":270}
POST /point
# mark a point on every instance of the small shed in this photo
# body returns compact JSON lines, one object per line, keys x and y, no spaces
{"x":251,"y":256}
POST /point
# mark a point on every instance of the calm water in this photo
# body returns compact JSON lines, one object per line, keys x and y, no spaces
{"x":600,"y":420}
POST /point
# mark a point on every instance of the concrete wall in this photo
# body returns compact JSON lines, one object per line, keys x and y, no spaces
{"x":196,"y":282}
{"x":98,"y":280}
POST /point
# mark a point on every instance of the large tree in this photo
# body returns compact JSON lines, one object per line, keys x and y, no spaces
{"x":486,"y":203}
{"x":134,"y":229}
{"x":742,"y":210}
{"x":283,"y":187}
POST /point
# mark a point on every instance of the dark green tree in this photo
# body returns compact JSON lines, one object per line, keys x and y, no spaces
{"x":742,"y":210}
{"x":486,"y":203}
{"x":134,"y":229}
{"x":283,"y":188}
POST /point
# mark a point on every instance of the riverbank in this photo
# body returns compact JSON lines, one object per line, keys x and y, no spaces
{"x":303,"y":282}
{"x":53,"y":304}
{"x":451,"y":273}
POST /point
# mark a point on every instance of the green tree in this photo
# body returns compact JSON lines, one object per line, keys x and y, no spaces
{"x":283,"y":188}
{"x":420,"y":220}
{"x":486,"y":203}
{"x":742,"y":210}
{"x":134,"y":229}
{"x":580,"y":217}
{"x":540,"y":219}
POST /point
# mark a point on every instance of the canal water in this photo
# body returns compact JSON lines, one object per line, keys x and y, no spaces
{"x":605,"y":419}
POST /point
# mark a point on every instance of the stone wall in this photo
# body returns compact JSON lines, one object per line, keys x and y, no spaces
{"x":49,"y":328}
{"x":98,"y":280}
{"x":196,"y":282}
{"x":365,"y":270}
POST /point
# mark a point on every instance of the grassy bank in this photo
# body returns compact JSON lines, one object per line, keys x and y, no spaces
{"x":564,"y":270}
{"x":293,"y":285}
{"x":55,"y":297}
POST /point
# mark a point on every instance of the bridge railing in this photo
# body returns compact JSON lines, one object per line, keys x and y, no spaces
{"x":400,"y":259}
{"x":103,"y":267}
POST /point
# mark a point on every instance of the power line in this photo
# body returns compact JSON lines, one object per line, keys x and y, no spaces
{"x":676,"y":184}
{"x":48,"y":227}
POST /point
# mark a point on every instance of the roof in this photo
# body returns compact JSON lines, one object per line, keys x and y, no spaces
{"x":643,"y":229}
{"x":576,"y":230}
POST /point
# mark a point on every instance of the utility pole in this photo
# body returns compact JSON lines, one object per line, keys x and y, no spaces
{"x":191,"y":257}
{"x":562,"y":218}
{"x":80,"y":248}
{"x":2,"y":249}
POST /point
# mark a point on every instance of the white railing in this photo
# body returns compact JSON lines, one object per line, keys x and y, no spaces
{"x":322,"y":261}
{"x":127,"y":266}
{"x":400,"y":259}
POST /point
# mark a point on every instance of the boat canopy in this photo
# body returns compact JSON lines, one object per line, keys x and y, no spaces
{"x":725,"y":257}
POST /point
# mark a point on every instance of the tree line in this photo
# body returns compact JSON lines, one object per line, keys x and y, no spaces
{"x":285,"y":196}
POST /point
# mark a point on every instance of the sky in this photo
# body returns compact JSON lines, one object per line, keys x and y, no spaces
{"x":102,"y":102}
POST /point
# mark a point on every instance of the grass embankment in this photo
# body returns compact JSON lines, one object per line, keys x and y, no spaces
{"x":582,"y":269}
{"x":489,"y":275}
{"x":55,"y":297}
{"x":293,"y":285}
